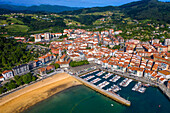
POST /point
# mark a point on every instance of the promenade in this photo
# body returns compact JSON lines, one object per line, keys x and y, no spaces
{"x":113,"y":96}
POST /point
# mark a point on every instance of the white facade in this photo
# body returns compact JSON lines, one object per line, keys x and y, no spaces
{"x":8,"y":74}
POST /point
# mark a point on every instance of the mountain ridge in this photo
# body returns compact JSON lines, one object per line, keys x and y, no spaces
{"x":37,"y":8}
{"x":143,"y":9}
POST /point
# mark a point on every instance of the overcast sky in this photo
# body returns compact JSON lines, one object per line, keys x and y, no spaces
{"x":72,"y":3}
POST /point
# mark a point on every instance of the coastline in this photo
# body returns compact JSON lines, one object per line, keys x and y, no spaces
{"x":29,"y":96}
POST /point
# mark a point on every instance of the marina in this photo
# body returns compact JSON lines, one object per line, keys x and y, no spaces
{"x":107,"y":75}
{"x":139,"y":87}
{"x":95,"y":80}
{"x":114,"y":88}
{"x":103,"y":84}
{"x":125,"y":82}
{"x":115,"y":78}
{"x":100,"y":73}
{"x":89,"y":77}
{"x":113,"y":83}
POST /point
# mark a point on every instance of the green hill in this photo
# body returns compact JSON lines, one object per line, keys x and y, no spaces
{"x":148,"y":9}
{"x":89,"y":10}
{"x":144,"y":9}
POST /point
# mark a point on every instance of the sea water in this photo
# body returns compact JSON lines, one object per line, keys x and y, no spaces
{"x":81,"y":99}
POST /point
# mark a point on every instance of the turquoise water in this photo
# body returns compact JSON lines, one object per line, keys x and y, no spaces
{"x":81,"y":99}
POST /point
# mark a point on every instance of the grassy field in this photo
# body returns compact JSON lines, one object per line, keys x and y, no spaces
{"x":14,"y":20}
{"x":71,"y":22}
{"x":17,"y":28}
{"x":3,"y":22}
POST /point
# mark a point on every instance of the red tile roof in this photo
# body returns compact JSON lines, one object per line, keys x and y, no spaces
{"x":6,"y":71}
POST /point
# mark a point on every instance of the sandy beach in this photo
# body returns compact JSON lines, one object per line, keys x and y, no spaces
{"x":29,"y":96}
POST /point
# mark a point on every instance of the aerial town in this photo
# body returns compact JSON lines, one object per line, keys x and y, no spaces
{"x":144,"y":60}
{"x":84,"y":56}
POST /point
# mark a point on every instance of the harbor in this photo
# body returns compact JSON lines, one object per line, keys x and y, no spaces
{"x":105,"y":82}
{"x":111,"y":84}
{"x":116,"y":77}
{"x":104,"y":92}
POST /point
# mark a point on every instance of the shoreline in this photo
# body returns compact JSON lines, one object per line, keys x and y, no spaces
{"x":51,"y":96}
{"x":22,"y":99}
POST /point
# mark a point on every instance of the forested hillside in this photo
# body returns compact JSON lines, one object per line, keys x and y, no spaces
{"x":12,"y":53}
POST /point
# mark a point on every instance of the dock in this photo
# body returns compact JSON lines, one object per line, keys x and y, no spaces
{"x":113,"y":96}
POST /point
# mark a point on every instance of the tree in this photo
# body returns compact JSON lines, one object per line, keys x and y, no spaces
{"x":34,"y":78}
{"x":56,"y":65}
{"x":18,"y":80}
{"x":1,"y":90}
{"x":18,"y":53}
{"x":74,"y":63}
{"x":10,"y":85}
{"x":3,"y":60}
{"x":116,"y":47}
{"x":63,"y":36}
{"x":27,"y":78}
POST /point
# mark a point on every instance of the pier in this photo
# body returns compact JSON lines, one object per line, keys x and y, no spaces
{"x":113,"y":96}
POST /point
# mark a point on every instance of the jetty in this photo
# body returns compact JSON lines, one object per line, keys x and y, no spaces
{"x":113,"y":96}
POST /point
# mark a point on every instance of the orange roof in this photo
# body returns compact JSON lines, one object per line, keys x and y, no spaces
{"x":165,"y":72}
{"x":154,"y":75}
{"x":41,"y":69}
{"x":65,"y":62}
{"x":161,"y":79}
{"x":50,"y":67}
{"x":105,"y":61}
{"x":6,"y":71}
{"x":63,"y":56}
{"x":36,"y":60}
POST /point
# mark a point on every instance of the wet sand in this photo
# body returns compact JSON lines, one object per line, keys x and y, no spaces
{"x":29,"y":96}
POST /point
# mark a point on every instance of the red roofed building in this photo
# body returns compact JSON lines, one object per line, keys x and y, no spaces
{"x":50,"y":68}
{"x":165,"y":74}
{"x":42,"y":71}
{"x":64,"y":63}
{"x":7,"y":74}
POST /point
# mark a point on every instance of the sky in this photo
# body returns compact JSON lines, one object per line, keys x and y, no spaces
{"x":71,"y":3}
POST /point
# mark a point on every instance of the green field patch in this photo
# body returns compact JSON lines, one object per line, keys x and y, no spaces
{"x":14,"y":20}
{"x":17,"y":28}
{"x":3,"y":22}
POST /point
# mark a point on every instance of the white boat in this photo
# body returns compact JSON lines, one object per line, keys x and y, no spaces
{"x":107,"y":75}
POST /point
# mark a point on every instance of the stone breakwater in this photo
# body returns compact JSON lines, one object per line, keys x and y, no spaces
{"x":106,"y":93}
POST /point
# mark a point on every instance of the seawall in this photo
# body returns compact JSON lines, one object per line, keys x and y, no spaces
{"x":106,"y":93}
